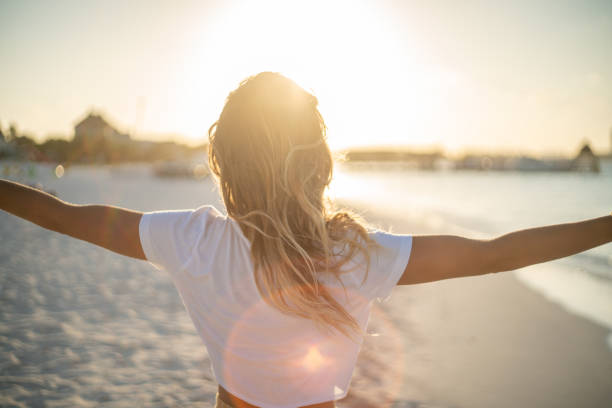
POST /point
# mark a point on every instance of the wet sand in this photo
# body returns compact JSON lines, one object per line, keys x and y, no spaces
{"x":485,"y":341}
{"x":81,"y":326}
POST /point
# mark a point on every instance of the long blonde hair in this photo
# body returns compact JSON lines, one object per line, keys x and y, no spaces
{"x":269,"y":153}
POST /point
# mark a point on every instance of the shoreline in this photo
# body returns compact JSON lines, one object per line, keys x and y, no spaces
{"x":486,"y":341}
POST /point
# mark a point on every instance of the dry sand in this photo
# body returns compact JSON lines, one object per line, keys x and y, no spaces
{"x":81,"y":326}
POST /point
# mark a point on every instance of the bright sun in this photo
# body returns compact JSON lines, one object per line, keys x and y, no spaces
{"x":341,"y":51}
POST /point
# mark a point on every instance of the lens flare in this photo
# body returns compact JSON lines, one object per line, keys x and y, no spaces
{"x":59,"y":171}
{"x":313,"y":360}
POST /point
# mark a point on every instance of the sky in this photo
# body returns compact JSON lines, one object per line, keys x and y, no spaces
{"x":504,"y":76}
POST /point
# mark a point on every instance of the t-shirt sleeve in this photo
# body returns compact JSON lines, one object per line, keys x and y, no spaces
{"x":387,"y":263}
{"x":170,"y":239}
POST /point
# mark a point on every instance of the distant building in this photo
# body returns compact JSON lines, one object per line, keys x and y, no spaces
{"x":586,"y":160}
{"x":419,"y":160}
{"x":94,"y":128}
{"x":97,"y":140}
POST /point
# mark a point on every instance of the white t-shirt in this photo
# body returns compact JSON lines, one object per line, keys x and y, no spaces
{"x":259,"y":354}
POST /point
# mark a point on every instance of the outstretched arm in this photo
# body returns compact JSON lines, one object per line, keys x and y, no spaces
{"x":440,"y":257}
{"x":110,"y":227}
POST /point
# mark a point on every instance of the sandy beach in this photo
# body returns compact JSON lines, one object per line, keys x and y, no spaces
{"x":81,"y":326}
{"x":484,"y":341}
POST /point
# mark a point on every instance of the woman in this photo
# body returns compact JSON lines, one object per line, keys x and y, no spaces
{"x":280,"y":289}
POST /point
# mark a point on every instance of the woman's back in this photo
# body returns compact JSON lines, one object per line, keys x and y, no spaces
{"x":259,"y":354}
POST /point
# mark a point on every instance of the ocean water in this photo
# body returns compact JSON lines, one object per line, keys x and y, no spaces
{"x":469,"y":203}
{"x":487,"y":204}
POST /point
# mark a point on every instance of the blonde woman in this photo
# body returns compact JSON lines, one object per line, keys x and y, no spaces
{"x":280,"y":289}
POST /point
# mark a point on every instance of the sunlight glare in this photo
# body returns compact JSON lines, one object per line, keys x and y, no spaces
{"x":346,"y":53}
{"x":313,"y":359}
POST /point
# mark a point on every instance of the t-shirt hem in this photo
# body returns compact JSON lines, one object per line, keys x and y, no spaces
{"x":291,"y":405}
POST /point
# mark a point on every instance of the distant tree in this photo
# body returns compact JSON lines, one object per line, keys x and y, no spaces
{"x":56,"y":150}
{"x":12,"y":133}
